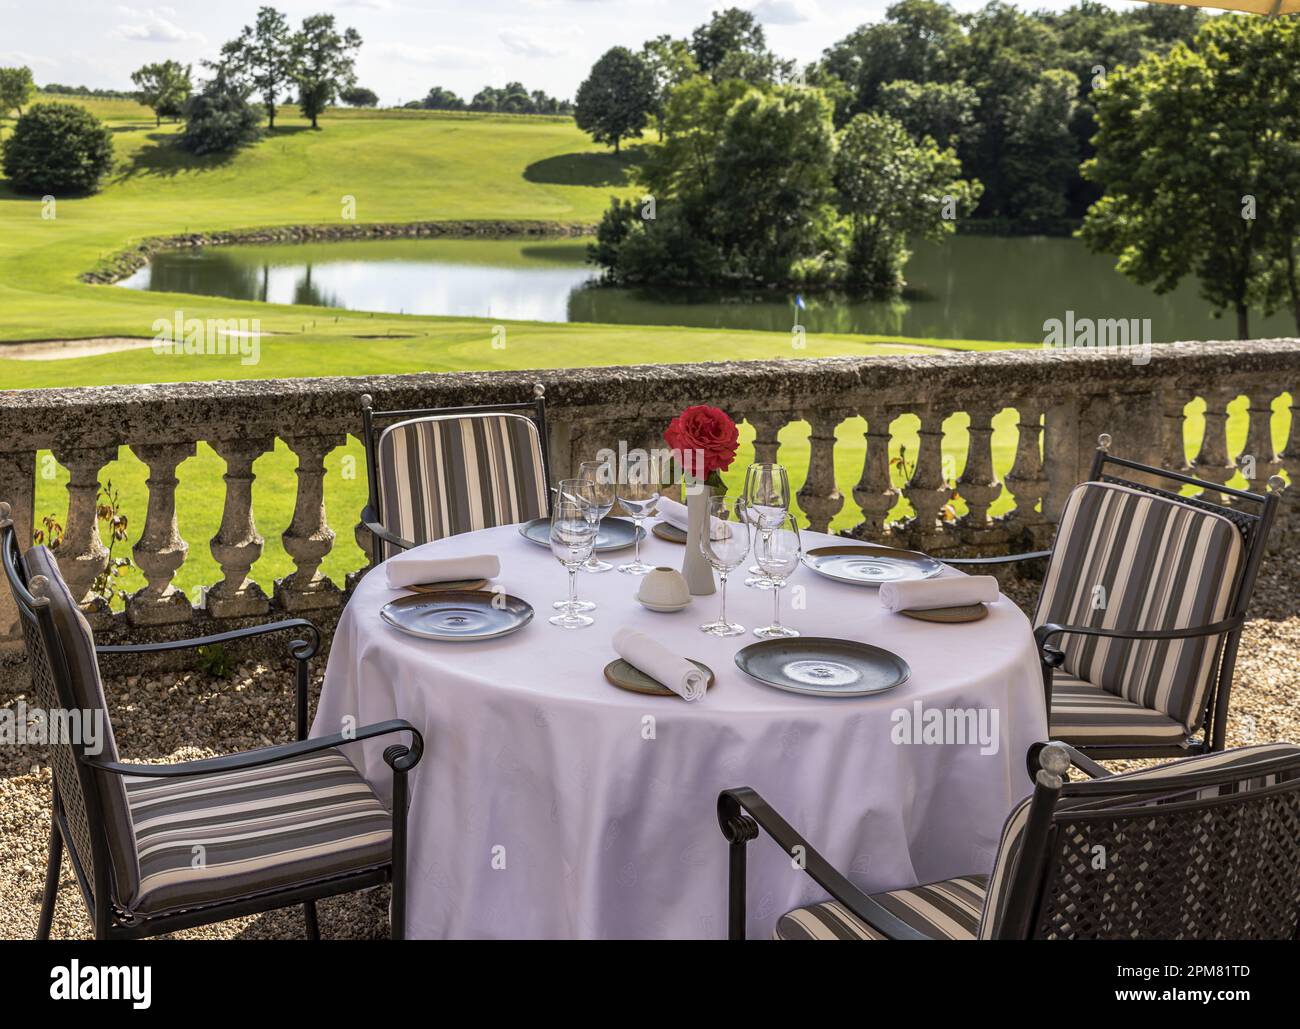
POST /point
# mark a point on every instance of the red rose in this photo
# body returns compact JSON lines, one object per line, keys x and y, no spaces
{"x":703,"y":433}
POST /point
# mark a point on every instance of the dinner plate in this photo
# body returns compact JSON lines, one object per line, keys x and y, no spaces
{"x":458,"y":616}
{"x":823,"y":667}
{"x":949,"y":615}
{"x":442,"y":587}
{"x":614,"y":534}
{"x":628,"y":677}
{"x":862,"y":565}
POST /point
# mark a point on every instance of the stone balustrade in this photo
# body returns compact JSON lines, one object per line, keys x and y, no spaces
{"x":1062,"y":401}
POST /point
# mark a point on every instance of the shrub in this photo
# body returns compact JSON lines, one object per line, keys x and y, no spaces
{"x":218,"y":121}
{"x":59,"y":149}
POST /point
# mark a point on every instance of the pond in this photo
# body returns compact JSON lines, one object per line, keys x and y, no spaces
{"x":970,"y":287}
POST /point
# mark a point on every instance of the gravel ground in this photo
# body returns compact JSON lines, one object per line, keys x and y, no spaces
{"x":162,"y":718}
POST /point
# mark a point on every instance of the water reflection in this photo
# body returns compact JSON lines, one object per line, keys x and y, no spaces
{"x":968,"y":288}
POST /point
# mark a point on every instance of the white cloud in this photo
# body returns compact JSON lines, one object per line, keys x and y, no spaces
{"x":786,"y":12}
{"x":446,"y":56}
{"x":531,"y":43}
{"x":16,"y":58}
{"x":152,"y":26}
{"x":370,"y":5}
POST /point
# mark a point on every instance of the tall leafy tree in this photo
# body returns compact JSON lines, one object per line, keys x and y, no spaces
{"x":944,"y":111}
{"x":670,"y":63}
{"x":359,"y":96}
{"x":1195,"y":155}
{"x":615,"y":100}
{"x":894,"y":189}
{"x":732,"y":45}
{"x":163,"y":88}
{"x":324,"y":63}
{"x":262,"y":59}
{"x":16,"y":89}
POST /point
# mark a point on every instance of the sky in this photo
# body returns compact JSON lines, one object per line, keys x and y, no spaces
{"x":411,"y":45}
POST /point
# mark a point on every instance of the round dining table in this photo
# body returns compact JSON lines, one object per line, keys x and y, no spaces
{"x":552,"y":804}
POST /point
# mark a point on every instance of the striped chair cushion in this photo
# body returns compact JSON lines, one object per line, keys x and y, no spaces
{"x":1013,"y":830}
{"x":1083,"y":713}
{"x":1125,"y":559}
{"x":944,"y":910}
{"x":440,"y":476}
{"x":218,"y":837}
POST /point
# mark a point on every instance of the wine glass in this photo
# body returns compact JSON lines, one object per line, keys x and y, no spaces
{"x":778,"y":552}
{"x":638,"y":494}
{"x":583,"y":492}
{"x":725,"y":546}
{"x":573,"y":534}
{"x":601,"y":476}
{"x":767,"y":501}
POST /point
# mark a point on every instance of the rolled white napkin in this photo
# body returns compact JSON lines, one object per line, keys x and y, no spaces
{"x":661,"y":664}
{"x":950,"y":591}
{"x":677,"y":514}
{"x":413,"y":567}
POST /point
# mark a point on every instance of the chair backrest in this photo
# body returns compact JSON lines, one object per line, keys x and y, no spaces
{"x":1131,"y":560}
{"x":67,"y":686}
{"x":1205,"y":847}
{"x":437,"y":473}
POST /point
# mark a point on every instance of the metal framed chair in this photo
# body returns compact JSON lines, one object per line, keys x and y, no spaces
{"x":1207,"y":847}
{"x":1149,"y":589}
{"x":437,"y":472}
{"x":159,"y":848}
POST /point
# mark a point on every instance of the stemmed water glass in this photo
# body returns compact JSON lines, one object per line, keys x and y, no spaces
{"x":583,"y":492}
{"x":778,"y":552}
{"x":601,"y":476}
{"x":725,"y":546}
{"x":767,"y":502}
{"x":639,"y":494}
{"x":573,"y":534}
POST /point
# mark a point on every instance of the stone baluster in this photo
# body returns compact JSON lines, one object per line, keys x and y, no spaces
{"x":979,"y":485}
{"x":875,"y":494}
{"x":1173,"y":446}
{"x":1027,"y":479}
{"x":1212,"y":462}
{"x":309,"y":538}
{"x":82,"y":554}
{"x":1289,"y":515}
{"x":237,"y":545}
{"x":819,"y":496}
{"x":767,"y":428}
{"x":1257,"y":460}
{"x":160,"y":550}
{"x":18,"y":490}
{"x":928,"y":490}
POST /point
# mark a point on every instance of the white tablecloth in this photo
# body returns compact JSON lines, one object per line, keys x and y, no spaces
{"x":551,"y":804}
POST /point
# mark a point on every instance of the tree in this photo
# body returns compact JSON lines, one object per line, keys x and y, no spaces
{"x":732,"y":46}
{"x":219,"y":120}
{"x":670,"y":63}
{"x":57,"y":149}
{"x":16,"y":89}
{"x":439,"y":99}
{"x":325,"y":62}
{"x":892,"y":189}
{"x":944,"y":111}
{"x":164,"y":88}
{"x":1195,"y":157}
{"x":359,"y":96}
{"x":262,"y":57}
{"x":615,"y":101}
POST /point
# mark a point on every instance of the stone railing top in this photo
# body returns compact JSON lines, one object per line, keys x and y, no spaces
{"x":98,"y":415}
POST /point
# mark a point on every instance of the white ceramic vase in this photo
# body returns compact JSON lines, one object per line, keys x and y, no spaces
{"x":695,"y":566}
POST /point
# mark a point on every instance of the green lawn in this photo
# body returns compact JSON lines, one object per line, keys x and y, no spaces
{"x":399,"y":167}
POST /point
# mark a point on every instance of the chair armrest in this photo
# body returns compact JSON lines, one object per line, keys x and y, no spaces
{"x":301,"y":649}
{"x":1044,"y":633}
{"x":1033,"y":555}
{"x":371,"y":521}
{"x":735,"y":828}
{"x":1078,"y":759}
{"x":410,"y":756}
